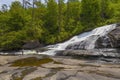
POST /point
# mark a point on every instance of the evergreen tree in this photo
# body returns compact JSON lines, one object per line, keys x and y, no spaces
{"x":61,"y":15}
{"x":51,"y":17}
{"x":4,"y":7}
{"x":90,"y":13}
{"x":105,"y":9}
{"x":72,"y":15}
{"x":17,"y":20}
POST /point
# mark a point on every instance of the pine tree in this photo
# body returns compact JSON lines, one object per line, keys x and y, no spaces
{"x":90,"y":13}
{"x":60,"y":14}
{"x":17,"y":20}
{"x":52,"y":17}
{"x":105,"y":9}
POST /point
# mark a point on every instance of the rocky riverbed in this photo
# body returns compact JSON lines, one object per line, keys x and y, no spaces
{"x":41,"y":67}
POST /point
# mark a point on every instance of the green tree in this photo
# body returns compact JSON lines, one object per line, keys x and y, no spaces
{"x":90,"y":13}
{"x":17,"y":20}
{"x":106,"y":10}
{"x":72,"y":15}
{"x":114,"y":11}
{"x":61,"y":7}
{"x":51,"y":17}
{"x":4,"y":7}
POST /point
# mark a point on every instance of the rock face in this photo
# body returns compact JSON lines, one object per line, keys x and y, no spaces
{"x":115,"y":35}
{"x":32,"y":44}
{"x":85,"y":44}
{"x":109,"y":40}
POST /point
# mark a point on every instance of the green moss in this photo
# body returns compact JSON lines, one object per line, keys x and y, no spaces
{"x":32,"y":61}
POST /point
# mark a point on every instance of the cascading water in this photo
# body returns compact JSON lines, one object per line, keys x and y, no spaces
{"x":85,"y":40}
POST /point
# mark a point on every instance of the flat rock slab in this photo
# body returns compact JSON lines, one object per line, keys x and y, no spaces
{"x":61,"y":68}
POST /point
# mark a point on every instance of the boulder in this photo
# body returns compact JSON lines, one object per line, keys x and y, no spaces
{"x":32,"y":44}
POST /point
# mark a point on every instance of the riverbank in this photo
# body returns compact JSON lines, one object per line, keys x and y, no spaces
{"x":41,"y":67}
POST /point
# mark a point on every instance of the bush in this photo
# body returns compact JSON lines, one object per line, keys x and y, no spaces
{"x":11,"y":41}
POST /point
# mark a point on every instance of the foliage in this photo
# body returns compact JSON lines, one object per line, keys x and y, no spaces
{"x":53,"y":21}
{"x":90,"y":14}
{"x":12,"y":40}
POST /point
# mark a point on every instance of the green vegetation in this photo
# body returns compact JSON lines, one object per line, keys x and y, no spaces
{"x":33,"y":61}
{"x":52,"y":21}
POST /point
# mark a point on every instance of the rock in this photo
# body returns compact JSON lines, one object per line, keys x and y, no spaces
{"x":32,"y":45}
{"x":115,"y":34}
{"x":109,"y":40}
{"x":42,"y":49}
{"x":85,"y":44}
{"x":105,"y":42}
{"x":63,"y":68}
{"x":107,"y":53}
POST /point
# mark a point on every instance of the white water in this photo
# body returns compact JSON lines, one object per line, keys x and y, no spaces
{"x":90,"y":36}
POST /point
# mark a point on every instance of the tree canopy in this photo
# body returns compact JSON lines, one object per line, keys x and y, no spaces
{"x":53,"y":21}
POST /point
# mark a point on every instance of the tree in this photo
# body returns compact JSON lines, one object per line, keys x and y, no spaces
{"x":23,"y":3}
{"x":73,"y":0}
{"x":17,"y":20}
{"x":105,"y":9}
{"x":4,"y":7}
{"x":114,"y":11}
{"x":90,"y":13}
{"x":60,"y":14}
{"x":51,"y":17}
{"x":72,"y":15}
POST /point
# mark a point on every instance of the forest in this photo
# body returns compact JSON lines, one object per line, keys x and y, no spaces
{"x":53,"y":21}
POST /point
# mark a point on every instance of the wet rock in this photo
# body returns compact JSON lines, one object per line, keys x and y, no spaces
{"x":95,"y":53}
{"x":85,"y":44}
{"x":116,"y":36}
{"x":32,"y":45}
{"x":109,"y":40}
{"x":104,"y":42}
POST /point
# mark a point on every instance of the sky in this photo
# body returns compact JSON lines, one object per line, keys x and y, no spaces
{"x":8,"y":2}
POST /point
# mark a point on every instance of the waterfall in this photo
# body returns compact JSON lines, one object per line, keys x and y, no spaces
{"x":85,"y":40}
